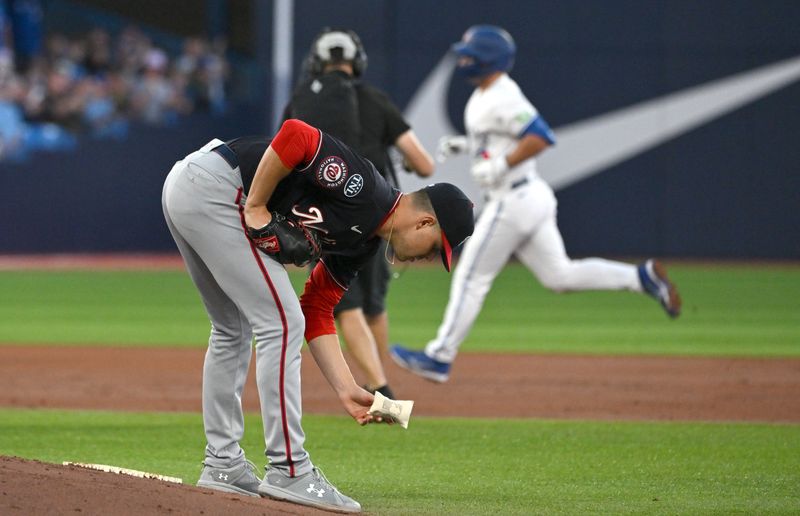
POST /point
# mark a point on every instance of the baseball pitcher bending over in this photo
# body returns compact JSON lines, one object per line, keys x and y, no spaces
{"x":238,"y":212}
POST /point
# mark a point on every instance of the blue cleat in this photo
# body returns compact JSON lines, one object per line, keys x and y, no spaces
{"x":420,"y":364}
{"x":656,"y":283}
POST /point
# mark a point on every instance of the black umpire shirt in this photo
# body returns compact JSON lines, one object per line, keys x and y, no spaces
{"x":380,"y":120}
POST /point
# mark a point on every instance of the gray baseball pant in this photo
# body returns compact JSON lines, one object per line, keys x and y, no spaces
{"x":246,"y":295}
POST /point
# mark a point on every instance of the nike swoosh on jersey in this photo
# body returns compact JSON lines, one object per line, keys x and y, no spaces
{"x":355,"y":228}
{"x":583,"y":147}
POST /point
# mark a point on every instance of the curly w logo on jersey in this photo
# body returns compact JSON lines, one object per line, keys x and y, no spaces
{"x":332,"y":172}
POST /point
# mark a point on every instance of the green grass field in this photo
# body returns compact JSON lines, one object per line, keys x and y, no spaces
{"x":728,"y":310}
{"x":454,"y":466}
{"x":468,"y":466}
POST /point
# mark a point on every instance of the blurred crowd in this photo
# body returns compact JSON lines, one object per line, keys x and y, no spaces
{"x":96,"y":85}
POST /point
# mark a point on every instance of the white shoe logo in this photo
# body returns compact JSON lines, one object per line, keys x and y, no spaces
{"x":311,"y":489}
{"x":223,"y":476}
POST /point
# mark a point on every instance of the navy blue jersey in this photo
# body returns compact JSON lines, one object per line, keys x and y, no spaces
{"x":339,"y":194}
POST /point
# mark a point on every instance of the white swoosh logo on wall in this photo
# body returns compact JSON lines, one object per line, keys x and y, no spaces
{"x":590,"y":146}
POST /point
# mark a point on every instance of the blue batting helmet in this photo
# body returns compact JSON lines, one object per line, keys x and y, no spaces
{"x":491,"y":48}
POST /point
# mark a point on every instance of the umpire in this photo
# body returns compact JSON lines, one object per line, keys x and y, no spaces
{"x":333,"y":97}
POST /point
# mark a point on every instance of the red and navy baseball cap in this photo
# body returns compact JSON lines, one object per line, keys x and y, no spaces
{"x":453,"y":210}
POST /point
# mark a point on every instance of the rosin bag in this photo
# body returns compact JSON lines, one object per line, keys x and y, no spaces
{"x":396,"y":410}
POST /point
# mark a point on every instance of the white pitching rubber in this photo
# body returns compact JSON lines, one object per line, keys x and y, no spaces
{"x":124,"y":471}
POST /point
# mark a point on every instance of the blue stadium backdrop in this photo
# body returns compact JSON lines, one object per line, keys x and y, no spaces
{"x":678,"y":125}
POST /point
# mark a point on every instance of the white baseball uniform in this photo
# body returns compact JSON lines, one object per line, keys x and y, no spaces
{"x":518,"y":219}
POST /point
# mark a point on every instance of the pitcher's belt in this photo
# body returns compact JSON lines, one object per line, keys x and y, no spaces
{"x":227,"y":154}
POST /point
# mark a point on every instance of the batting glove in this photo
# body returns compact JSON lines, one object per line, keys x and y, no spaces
{"x":488,"y":172}
{"x":450,"y":146}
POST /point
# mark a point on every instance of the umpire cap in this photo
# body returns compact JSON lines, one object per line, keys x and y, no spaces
{"x":453,"y":210}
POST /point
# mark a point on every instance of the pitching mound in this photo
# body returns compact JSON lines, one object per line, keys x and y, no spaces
{"x":32,"y":487}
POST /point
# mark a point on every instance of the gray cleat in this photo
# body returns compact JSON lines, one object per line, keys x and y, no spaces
{"x":311,"y":489}
{"x":240,"y":479}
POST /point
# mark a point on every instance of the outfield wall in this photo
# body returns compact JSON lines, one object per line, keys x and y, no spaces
{"x":725,"y":187}
{"x":106,"y":195}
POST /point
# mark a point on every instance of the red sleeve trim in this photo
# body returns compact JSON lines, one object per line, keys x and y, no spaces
{"x":321,"y":294}
{"x":296,"y":143}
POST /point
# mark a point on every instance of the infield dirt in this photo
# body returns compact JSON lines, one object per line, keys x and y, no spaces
{"x":481,"y":385}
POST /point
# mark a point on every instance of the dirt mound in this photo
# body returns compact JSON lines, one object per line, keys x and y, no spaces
{"x":32,"y":487}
